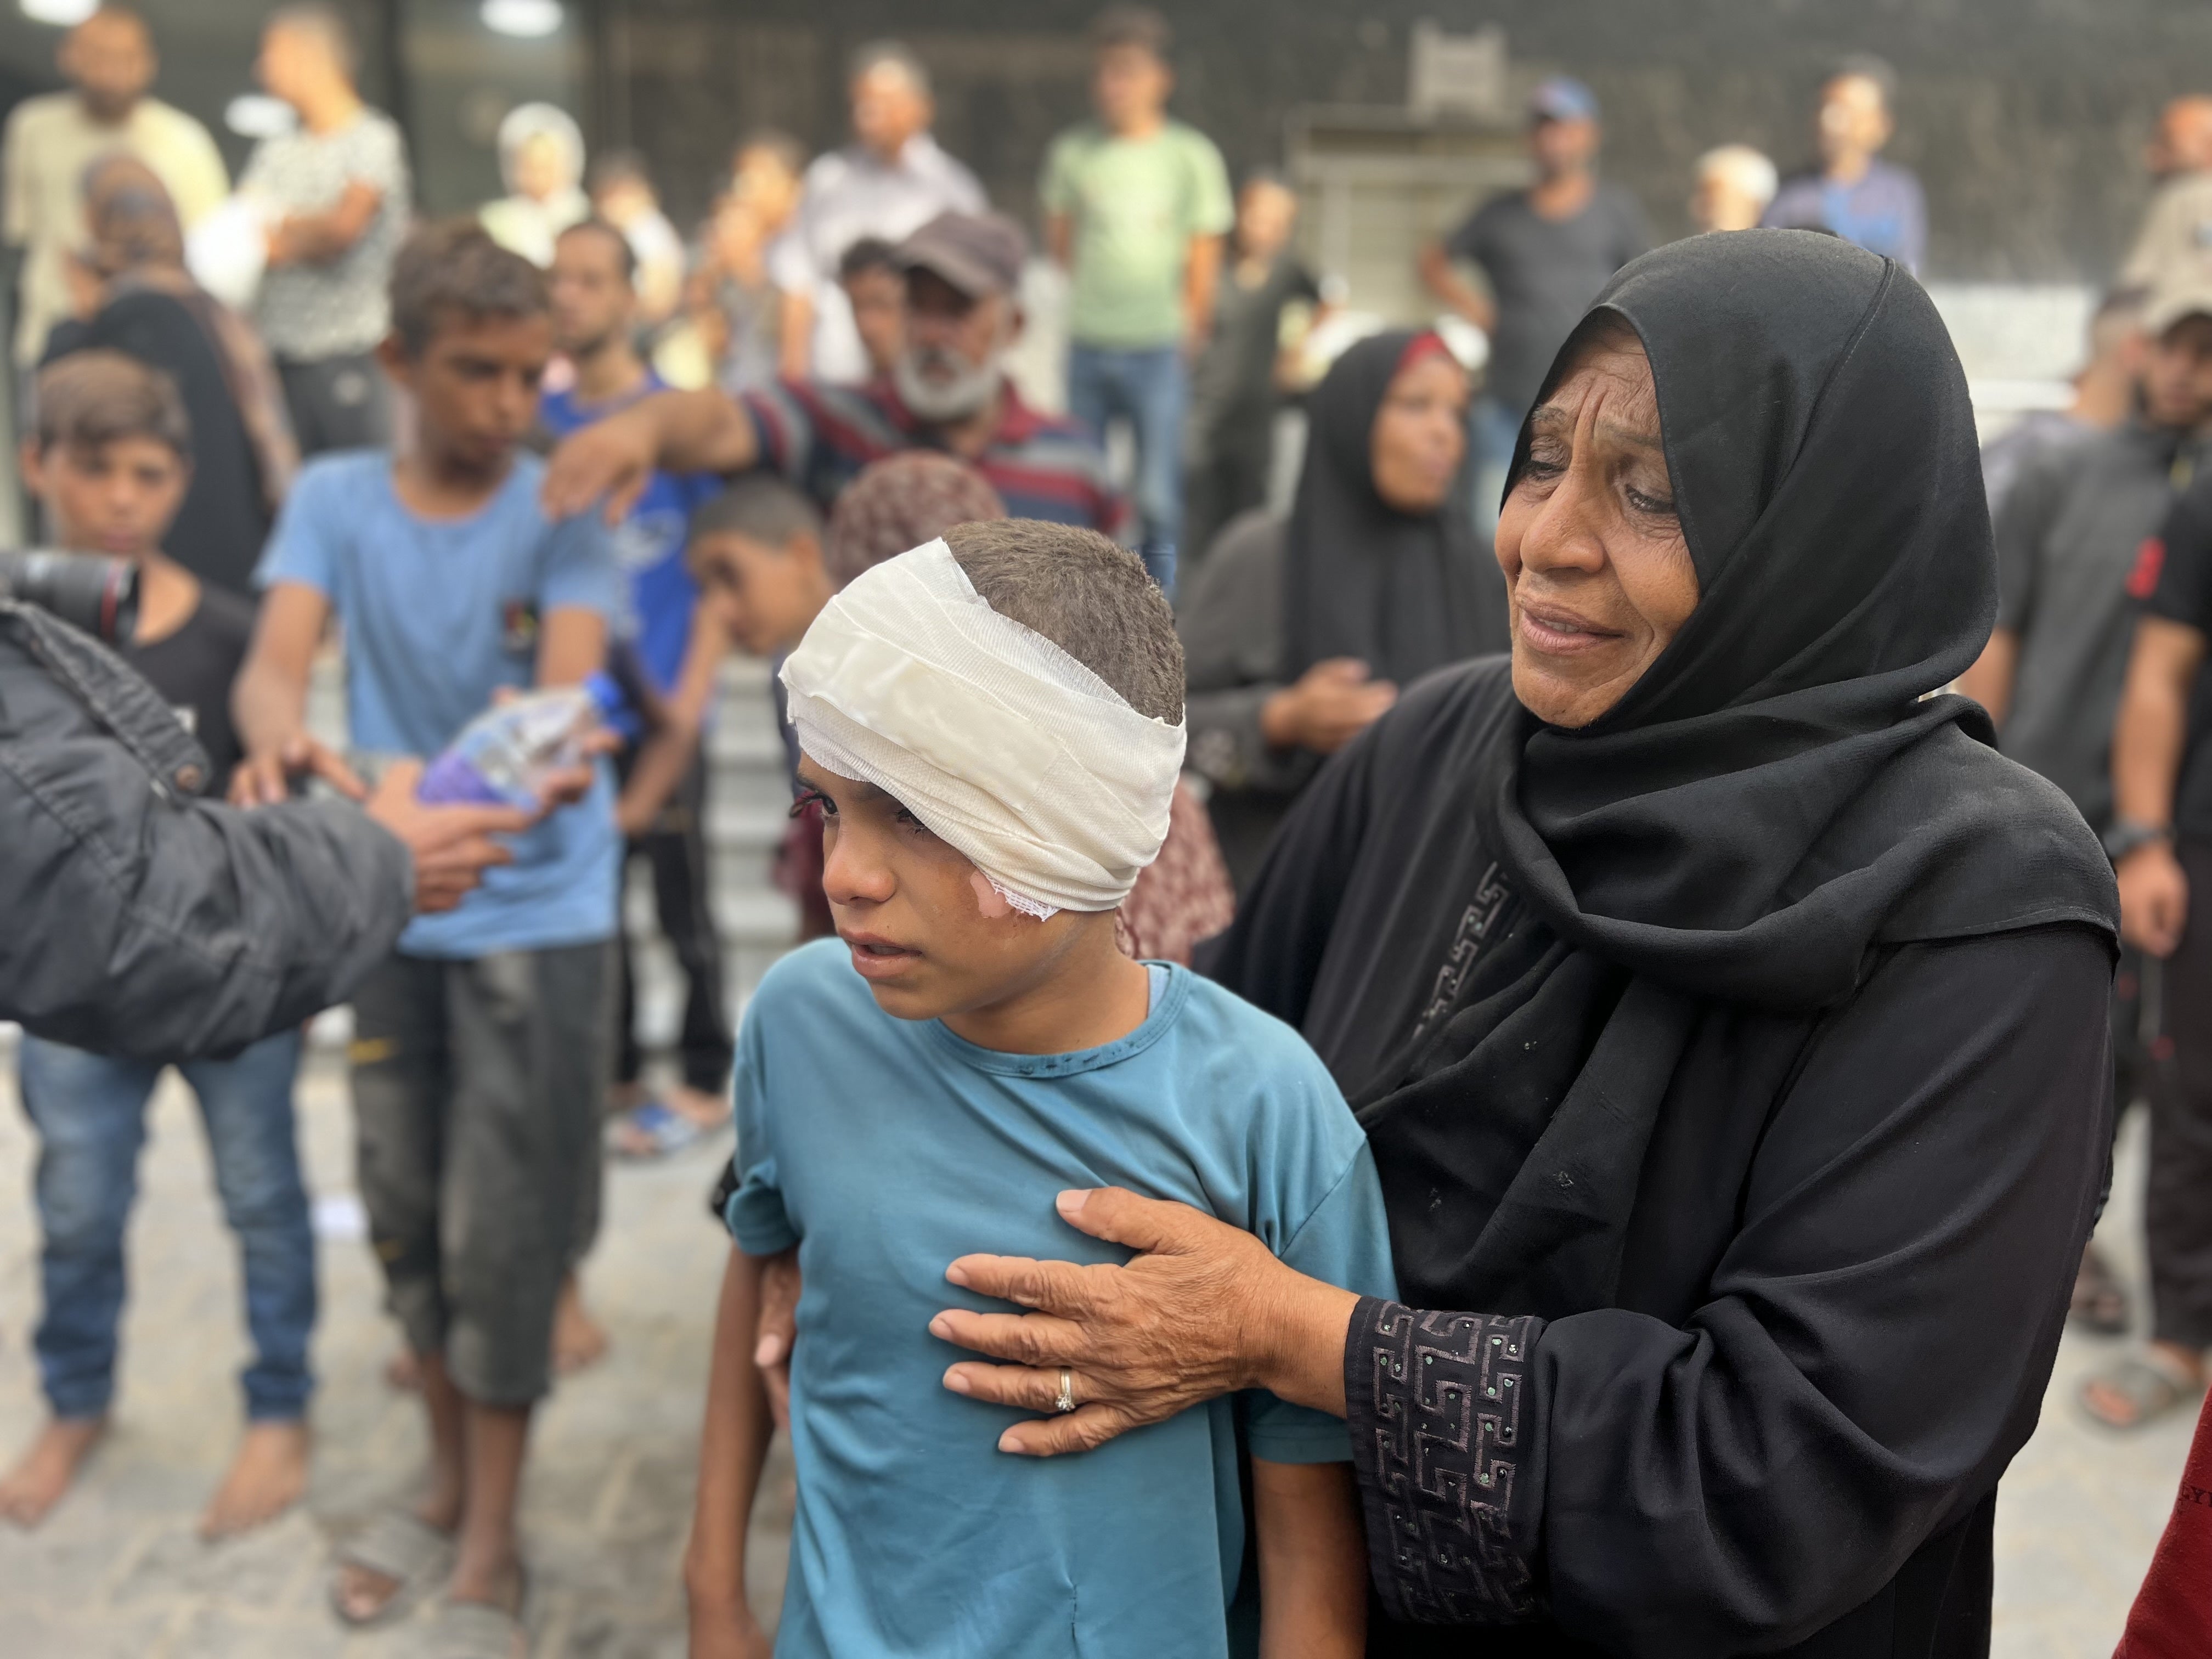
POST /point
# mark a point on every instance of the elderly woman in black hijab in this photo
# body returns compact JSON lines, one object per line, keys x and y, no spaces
{"x":1298,"y":631}
{"x":1727,"y":1017}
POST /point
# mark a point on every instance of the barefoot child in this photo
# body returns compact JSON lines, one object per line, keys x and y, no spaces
{"x":992,"y":723}
{"x":109,"y":463}
{"x":481,"y":1045}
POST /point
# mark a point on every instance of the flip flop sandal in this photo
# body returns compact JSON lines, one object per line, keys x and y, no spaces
{"x":2099,"y":1303}
{"x":399,"y":1546}
{"x":479,"y":1630}
{"x":2153,"y":1386}
{"x":653,"y":1130}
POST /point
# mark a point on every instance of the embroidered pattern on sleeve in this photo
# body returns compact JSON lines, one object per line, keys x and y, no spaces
{"x":1436,"y":1407}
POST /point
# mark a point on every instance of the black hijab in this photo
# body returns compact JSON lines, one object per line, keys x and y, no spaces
{"x":1405,"y":593}
{"x":1786,"y":791}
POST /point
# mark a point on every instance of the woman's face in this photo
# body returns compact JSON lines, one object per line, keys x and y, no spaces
{"x":1420,"y":435}
{"x":1599,"y":575}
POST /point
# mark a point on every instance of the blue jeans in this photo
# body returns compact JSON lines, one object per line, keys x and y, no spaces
{"x":1150,"y":390}
{"x":90,"y":1114}
{"x":1492,"y":430}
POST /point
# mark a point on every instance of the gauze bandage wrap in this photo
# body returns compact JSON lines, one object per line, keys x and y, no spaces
{"x":1005,"y":746}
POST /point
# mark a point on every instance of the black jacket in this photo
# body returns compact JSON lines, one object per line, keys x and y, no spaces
{"x":139,"y":919}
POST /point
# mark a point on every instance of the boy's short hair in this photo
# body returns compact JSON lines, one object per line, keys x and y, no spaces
{"x":762,"y":508}
{"x":625,"y":255}
{"x":1132,"y":25}
{"x":450,"y":269}
{"x":900,"y":502}
{"x":90,"y":400}
{"x":869,"y":253}
{"x":1088,"y":596}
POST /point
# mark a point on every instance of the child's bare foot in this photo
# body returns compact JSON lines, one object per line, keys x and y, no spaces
{"x":578,"y":1339}
{"x":266,"y":1478}
{"x":46,"y":1468}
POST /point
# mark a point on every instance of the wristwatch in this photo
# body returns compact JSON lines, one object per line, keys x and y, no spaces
{"x":2128,"y":834}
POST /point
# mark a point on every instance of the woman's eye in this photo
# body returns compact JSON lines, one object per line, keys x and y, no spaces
{"x":1657,"y":506}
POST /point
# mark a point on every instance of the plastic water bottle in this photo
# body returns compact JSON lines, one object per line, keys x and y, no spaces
{"x":503,"y":756}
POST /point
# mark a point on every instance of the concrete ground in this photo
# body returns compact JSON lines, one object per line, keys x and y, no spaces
{"x":117,"y":1571}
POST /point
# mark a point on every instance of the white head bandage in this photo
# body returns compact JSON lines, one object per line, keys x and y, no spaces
{"x":1005,"y":746}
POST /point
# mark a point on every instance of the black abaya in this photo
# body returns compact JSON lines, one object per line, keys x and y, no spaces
{"x":1736,"y":1066}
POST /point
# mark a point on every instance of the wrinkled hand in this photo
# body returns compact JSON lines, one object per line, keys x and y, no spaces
{"x":611,"y":459}
{"x":264,"y":779}
{"x":2154,"y":899}
{"x":1328,"y":705}
{"x":777,"y":1329}
{"x":452,"y":845}
{"x":1186,"y":1320}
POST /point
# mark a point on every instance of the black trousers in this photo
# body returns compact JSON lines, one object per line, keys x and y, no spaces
{"x":2178,"y":1202}
{"x":675,"y":849}
{"x":336,"y":403}
{"x":1223,"y":478}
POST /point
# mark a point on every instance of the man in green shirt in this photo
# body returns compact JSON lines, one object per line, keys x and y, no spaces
{"x":1135,"y":207}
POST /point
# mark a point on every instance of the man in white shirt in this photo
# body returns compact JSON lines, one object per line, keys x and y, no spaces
{"x":49,"y":142}
{"x":889,"y":183}
{"x":334,"y":195}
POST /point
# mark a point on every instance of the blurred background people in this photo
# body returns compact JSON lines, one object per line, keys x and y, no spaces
{"x":1297,"y":632}
{"x":140,"y":300}
{"x":891,"y":180}
{"x":541,"y":159}
{"x":1854,"y":193}
{"x":622,"y":192}
{"x":875,"y":288}
{"x":2174,"y":245}
{"x":334,"y":193}
{"x":1236,"y":384}
{"x":1136,"y":205}
{"x":1546,"y":251}
{"x":1734,"y":184}
{"x":2104,"y":393}
{"x":733,"y":302}
{"x":108,"y":60}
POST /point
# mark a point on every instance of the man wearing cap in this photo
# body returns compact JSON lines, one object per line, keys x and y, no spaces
{"x":2175,"y":243}
{"x":1854,"y":193}
{"x":948,"y":390}
{"x":1546,"y":251}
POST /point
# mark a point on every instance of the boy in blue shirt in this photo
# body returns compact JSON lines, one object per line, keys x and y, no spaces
{"x":992,"y":725}
{"x":480,"y":1048}
{"x":661,"y":809}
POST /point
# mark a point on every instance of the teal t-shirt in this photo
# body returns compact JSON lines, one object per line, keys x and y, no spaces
{"x":1135,"y":204}
{"x":884,"y":1149}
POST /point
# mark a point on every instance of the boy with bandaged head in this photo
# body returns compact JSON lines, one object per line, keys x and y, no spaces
{"x":993,"y":725}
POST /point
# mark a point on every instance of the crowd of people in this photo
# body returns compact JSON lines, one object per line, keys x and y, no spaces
{"x":557,"y":443}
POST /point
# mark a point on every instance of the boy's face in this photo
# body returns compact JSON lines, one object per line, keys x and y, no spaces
{"x":115,"y":498}
{"x":930,"y":935}
{"x":878,"y":298}
{"x":763,"y":596}
{"x":475,"y":385}
{"x":592,"y":301}
{"x":1130,"y":86}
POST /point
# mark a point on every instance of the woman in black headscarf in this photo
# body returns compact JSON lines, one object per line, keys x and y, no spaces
{"x":1297,"y":632}
{"x":1726,"y":1018}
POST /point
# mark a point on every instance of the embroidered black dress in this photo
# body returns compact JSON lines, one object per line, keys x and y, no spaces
{"x":1737,"y":1067}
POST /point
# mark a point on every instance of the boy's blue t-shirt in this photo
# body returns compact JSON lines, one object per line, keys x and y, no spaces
{"x":437,"y":614}
{"x":886,"y":1148}
{"x":648,"y":543}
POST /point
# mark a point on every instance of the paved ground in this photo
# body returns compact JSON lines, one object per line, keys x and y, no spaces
{"x":117,"y":1571}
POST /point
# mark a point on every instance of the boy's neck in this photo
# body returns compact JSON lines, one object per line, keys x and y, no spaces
{"x":438,"y":486}
{"x":1094,"y":996}
{"x":612,"y":369}
{"x":1140,"y":127}
{"x":167,"y":595}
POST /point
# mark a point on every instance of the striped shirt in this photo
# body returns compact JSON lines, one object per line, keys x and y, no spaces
{"x":819,"y":436}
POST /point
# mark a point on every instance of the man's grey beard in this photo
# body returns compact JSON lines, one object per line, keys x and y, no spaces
{"x":953,"y":399}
